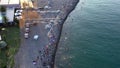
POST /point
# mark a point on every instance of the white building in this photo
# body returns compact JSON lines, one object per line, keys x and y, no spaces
{"x":10,"y":8}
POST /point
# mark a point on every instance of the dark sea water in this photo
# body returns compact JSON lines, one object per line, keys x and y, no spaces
{"x":93,"y":36}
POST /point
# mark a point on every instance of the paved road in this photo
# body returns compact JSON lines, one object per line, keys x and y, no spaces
{"x":29,"y":49}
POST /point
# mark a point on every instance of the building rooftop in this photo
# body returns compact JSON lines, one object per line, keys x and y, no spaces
{"x":10,"y":14}
{"x":9,"y":2}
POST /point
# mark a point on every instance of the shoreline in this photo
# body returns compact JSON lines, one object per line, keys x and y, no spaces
{"x":61,"y":26}
{"x":44,"y":49}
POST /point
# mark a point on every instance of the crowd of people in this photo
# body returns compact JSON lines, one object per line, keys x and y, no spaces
{"x":45,"y":54}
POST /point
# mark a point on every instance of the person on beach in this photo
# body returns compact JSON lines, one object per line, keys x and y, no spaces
{"x":40,"y":51}
{"x":41,"y":54}
{"x":49,"y":34}
{"x":41,"y":58}
{"x":52,"y":39}
{"x":37,"y":58}
{"x":50,"y":43}
{"x":44,"y":63}
{"x":47,"y":50}
{"x":48,"y":27}
{"x":34,"y":62}
{"x":47,"y":47}
{"x":44,"y":54}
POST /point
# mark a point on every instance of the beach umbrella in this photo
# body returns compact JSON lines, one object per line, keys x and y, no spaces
{"x":3,"y":44}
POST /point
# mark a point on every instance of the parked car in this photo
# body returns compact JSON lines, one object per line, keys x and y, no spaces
{"x":26,"y":35}
{"x":36,"y":37}
{"x":27,"y":29}
{"x":18,"y":17}
{"x":18,"y":14}
{"x":19,"y":11}
{"x":27,"y":25}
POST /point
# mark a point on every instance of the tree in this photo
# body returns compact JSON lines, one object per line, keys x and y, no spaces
{"x":16,"y":22}
{"x":2,"y":8}
{"x":5,"y":20}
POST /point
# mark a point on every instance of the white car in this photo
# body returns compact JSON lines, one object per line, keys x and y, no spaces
{"x":19,"y":17}
{"x":27,"y":29}
{"x":26,"y":35}
{"x":19,"y":11}
{"x":18,"y":14}
{"x":36,"y":37}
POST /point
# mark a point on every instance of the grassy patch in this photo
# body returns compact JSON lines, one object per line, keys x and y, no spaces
{"x":11,"y":36}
